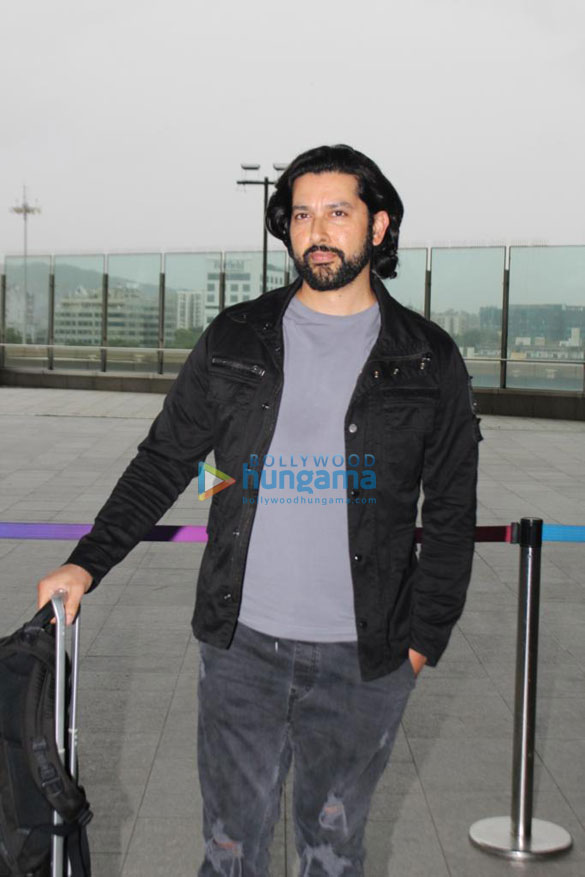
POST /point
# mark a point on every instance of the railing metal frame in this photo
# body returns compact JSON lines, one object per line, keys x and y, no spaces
{"x":501,"y":362}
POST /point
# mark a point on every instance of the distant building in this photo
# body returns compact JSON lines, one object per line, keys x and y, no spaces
{"x":243,"y":281}
{"x":190,"y":310}
{"x":490,"y":318}
{"x":547,"y":325}
{"x":455,"y":322}
{"x":78,"y":318}
{"x":132,"y":317}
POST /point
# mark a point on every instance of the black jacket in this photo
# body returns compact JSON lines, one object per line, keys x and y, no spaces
{"x":412,"y":407}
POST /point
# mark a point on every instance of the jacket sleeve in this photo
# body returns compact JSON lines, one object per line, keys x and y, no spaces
{"x":449,"y":481}
{"x":168,"y":458}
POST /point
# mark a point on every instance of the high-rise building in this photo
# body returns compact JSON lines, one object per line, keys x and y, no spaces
{"x":190,"y":310}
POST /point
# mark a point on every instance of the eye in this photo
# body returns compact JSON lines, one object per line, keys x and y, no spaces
{"x":298,"y":216}
{"x":339,"y":213}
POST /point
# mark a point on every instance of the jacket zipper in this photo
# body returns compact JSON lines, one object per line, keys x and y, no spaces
{"x":424,"y":357}
{"x":241,"y":367}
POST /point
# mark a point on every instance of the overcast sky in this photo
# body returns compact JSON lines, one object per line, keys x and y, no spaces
{"x":128,"y":120}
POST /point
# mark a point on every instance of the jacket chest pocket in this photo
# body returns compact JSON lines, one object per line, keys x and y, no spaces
{"x":409,"y":409}
{"x":233,"y":382}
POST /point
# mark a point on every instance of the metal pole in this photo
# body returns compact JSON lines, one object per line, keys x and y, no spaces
{"x":427,"y":304}
{"x":221,"y":290}
{"x":104,"y":332}
{"x":526,"y":679}
{"x":24,"y":323}
{"x":72,"y":729}
{"x":57,"y":843}
{"x":265,"y":237}
{"x":266,"y":182}
{"x":521,"y":837}
{"x":51,"y":327}
{"x":3,"y":319}
{"x":25,"y":209}
{"x":161,"y":322}
{"x":504,"y":326}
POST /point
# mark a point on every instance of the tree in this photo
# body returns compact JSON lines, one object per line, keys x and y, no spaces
{"x":187,"y":338}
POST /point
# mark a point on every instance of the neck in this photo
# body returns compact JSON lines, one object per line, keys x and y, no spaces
{"x":350,"y":299}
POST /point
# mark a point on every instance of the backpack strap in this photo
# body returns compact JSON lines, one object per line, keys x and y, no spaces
{"x":78,"y":852}
{"x":39,"y":621}
{"x":49,"y":773}
{"x":77,"y":849}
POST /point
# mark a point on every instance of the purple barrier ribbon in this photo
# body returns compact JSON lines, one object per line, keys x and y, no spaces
{"x":161,"y":533}
{"x":170,"y":533}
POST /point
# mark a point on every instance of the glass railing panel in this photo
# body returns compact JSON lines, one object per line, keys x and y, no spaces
{"x":26,"y":307}
{"x":133,"y":308}
{"x":192,"y":282}
{"x":466,"y":301}
{"x":173,"y":360}
{"x":408,"y":287}
{"x":71,"y":358}
{"x":484,"y":372}
{"x":546,"y":329}
{"x":78,"y":303}
{"x":132,"y":360}
{"x":30,"y":356}
{"x":243,"y":274}
{"x":550,"y":375}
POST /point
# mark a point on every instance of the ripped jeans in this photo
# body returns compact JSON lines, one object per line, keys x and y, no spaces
{"x":263,"y":702}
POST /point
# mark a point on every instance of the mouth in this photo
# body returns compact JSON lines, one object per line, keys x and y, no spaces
{"x":320,"y":258}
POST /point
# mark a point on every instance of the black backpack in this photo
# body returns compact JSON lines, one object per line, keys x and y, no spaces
{"x":33,"y":780}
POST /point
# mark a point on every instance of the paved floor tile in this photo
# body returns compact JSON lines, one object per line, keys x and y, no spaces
{"x":62,"y":451}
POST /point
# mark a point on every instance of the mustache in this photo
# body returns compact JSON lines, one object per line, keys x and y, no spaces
{"x":323,"y":249}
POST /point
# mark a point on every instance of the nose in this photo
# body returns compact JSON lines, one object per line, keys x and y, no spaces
{"x":318,"y":230}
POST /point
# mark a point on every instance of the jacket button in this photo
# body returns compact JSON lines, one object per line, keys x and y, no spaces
{"x":265,"y":405}
{"x":235,"y":532}
{"x":227,"y":597}
{"x":396,"y":371}
{"x":362,"y":624}
{"x":376,"y":374}
{"x":357,"y":558}
{"x":352,"y":428}
{"x":266,"y":326}
{"x":354,"y":493}
{"x":277,"y":349}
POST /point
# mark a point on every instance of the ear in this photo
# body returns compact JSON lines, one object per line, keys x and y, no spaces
{"x":379,"y":226}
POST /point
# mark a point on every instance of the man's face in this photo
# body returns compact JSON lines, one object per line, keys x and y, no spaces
{"x":331,"y":232}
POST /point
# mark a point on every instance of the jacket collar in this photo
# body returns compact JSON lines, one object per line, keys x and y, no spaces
{"x":402,"y":331}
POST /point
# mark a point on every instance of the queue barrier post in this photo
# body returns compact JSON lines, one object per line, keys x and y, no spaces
{"x":520,"y":836}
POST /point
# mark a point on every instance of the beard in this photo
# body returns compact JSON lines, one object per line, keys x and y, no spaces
{"x":326,"y":277}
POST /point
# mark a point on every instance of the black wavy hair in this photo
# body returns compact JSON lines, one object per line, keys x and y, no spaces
{"x":374,"y":189}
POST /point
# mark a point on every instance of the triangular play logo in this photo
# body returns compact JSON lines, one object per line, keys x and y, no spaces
{"x":211,"y":481}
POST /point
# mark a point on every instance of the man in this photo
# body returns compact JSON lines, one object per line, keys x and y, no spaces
{"x":328,"y":402}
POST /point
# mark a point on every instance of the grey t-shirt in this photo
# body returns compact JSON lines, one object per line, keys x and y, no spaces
{"x":297,"y":582}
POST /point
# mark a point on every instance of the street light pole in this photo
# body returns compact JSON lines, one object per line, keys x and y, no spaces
{"x":266,"y":182}
{"x":25,"y":209}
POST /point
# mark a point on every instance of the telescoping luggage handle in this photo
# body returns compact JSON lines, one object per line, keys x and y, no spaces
{"x":58,"y":604}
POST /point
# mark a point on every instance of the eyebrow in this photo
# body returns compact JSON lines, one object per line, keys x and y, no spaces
{"x":331,"y":205}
